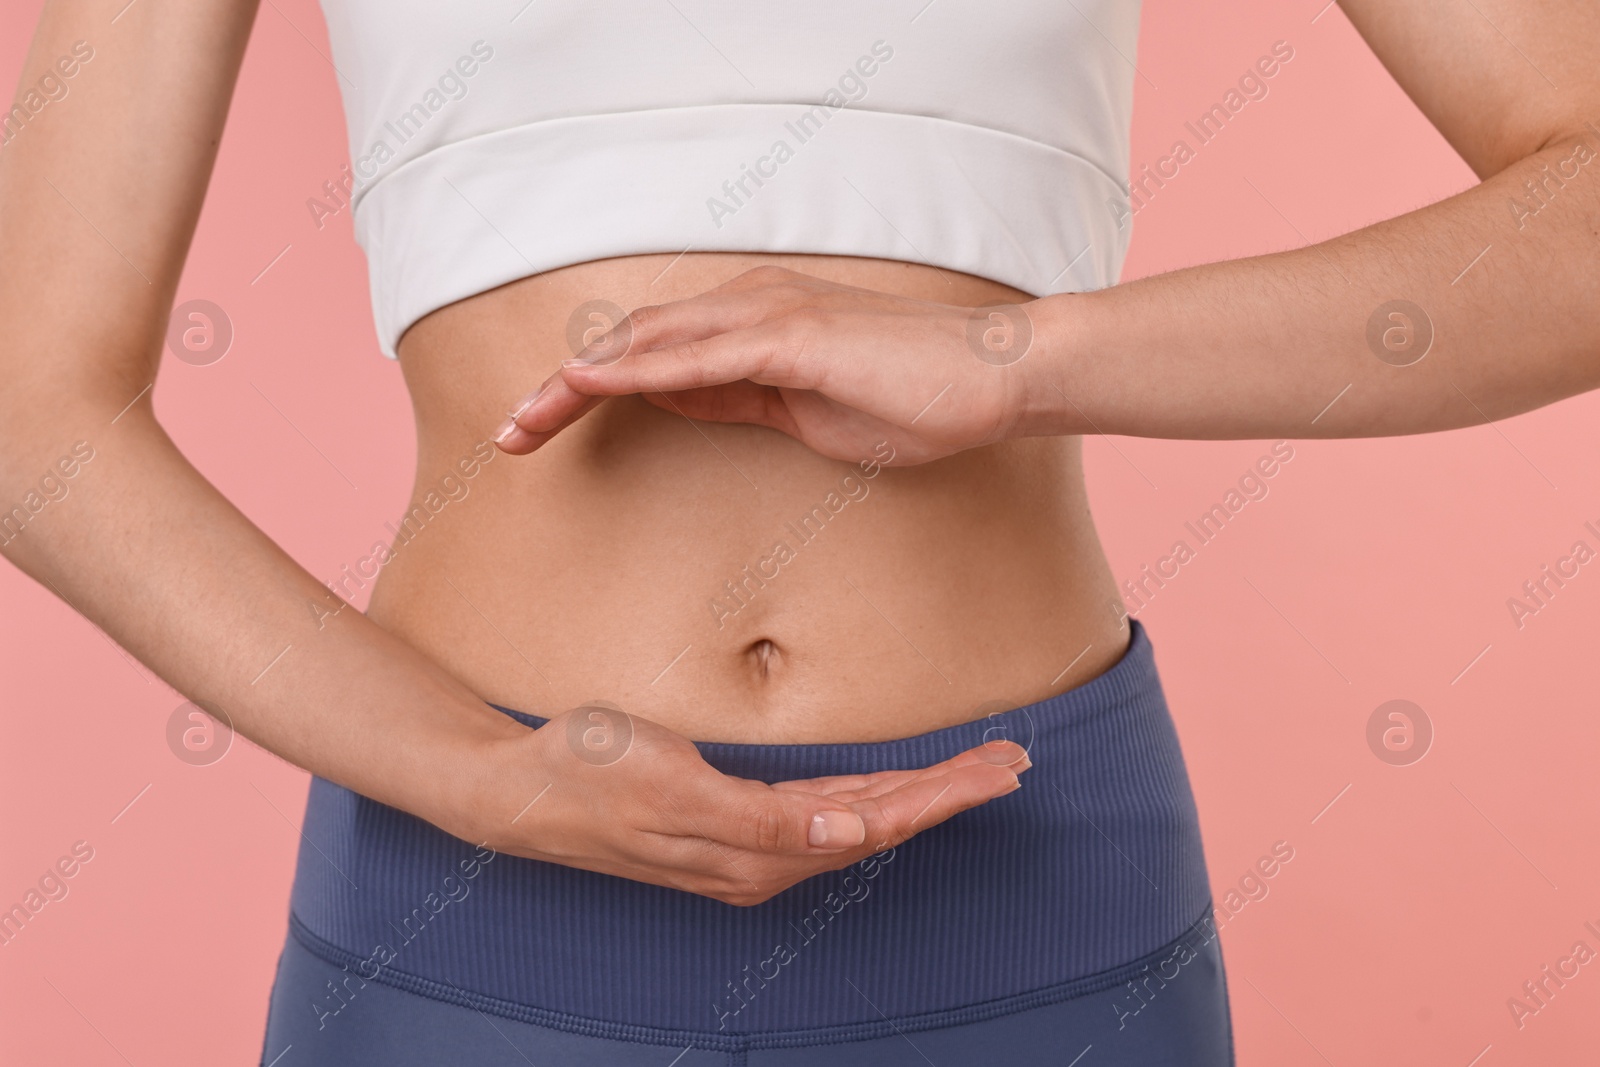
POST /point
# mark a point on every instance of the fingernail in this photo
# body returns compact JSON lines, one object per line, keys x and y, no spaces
{"x":1024,"y":763}
{"x":576,"y":362}
{"x":837,"y":829}
{"x":504,"y":431}
{"x":1016,"y":784}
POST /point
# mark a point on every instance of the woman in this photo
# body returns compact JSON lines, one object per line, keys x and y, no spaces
{"x":761,"y":706}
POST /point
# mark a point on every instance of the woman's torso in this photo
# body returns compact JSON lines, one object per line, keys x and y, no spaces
{"x":722,"y":579}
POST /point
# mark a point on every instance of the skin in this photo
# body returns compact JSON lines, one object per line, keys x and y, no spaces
{"x":601,"y":568}
{"x":837,"y":358}
{"x":167,"y":567}
{"x":1272,"y":346}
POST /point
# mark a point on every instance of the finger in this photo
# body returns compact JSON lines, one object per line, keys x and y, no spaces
{"x":761,"y":353}
{"x":513,"y":440}
{"x":547,"y":407}
{"x":887,"y":785}
{"x":973,"y":758}
{"x":756,"y":865}
{"x":809,"y":351}
{"x":754,"y":817}
{"x":743,"y":401}
{"x":999,"y":753}
{"x":736,"y":304}
{"x":518,"y":438}
{"x":749,"y":298}
{"x":928,"y":801}
{"x":840,"y":783}
{"x":883,"y":788}
{"x":917,"y":805}
{"x":790,"y":288}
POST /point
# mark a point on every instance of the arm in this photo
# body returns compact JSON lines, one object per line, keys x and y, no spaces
{"x":1268,"y":346}
{"x":154,"y":555}
{"x":143,"y":545}
{"x":1260,"y":347}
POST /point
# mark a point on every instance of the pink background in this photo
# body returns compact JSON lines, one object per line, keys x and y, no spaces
{"x":1414,"y":906}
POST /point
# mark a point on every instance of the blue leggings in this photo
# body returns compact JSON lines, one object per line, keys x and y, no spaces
{"x":1071,"y":918}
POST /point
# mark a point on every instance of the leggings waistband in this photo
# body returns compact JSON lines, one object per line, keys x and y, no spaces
{"x":1094,"y":863}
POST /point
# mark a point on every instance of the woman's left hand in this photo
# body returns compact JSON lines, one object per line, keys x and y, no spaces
{"x":838,"y":368}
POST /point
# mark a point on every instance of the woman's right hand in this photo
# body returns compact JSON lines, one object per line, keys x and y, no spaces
{"x":602,"y":790}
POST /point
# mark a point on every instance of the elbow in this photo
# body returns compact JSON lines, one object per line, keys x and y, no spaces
{"x":36,"y":415}
{"x":1572,"y":143}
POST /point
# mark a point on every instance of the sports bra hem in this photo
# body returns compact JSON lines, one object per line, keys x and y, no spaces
{"x":479,"y":213}
{"x":795,"y":105}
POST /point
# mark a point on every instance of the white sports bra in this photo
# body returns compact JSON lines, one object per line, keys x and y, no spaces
{"x":495,"y":139}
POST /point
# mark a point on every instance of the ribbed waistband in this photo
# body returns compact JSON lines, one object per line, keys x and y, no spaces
{"x":1094,"y":863}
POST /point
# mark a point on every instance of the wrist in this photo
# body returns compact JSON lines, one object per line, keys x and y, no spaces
{"x":1054,"y":400}
{"x":478,"y":776}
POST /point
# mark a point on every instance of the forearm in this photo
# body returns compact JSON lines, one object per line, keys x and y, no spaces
{"x":1278,"y":345}
{"x":156,"y":557}
{"x":136,"y":539}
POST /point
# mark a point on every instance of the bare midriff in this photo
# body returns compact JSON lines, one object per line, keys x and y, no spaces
{"x":723,"y":579}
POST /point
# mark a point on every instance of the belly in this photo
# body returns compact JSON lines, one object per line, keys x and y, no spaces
{"x":723,"y":579}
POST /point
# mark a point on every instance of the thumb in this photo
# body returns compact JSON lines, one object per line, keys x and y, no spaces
{"x":779,"y":821}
